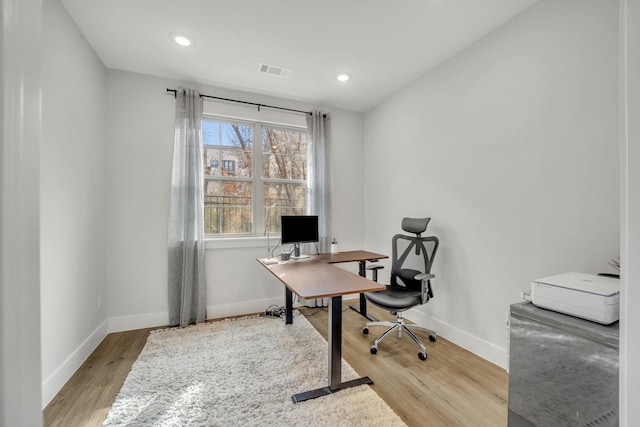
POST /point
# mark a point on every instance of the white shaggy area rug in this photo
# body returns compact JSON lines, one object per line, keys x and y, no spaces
{"x":241,"y":373}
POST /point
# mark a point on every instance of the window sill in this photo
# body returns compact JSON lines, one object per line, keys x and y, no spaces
{"x":239,"y":242}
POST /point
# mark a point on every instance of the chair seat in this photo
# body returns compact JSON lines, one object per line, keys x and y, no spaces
{"x":395,"y":298}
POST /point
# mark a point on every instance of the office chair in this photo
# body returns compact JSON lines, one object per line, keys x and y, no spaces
{"x":408,"y":287}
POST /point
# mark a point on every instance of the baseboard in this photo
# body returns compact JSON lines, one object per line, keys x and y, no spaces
{"x":478,"y":346}
{"x":215,"y":311}
{"x":218,"y":311}
{"x":246,"y":307}
{"x":138,"y":321}
{"x":54,"y":382}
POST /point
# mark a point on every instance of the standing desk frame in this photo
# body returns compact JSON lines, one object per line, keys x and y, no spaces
{"x":313,"y":278}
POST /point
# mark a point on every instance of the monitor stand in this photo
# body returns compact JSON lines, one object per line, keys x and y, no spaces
{"x":296,"y":252}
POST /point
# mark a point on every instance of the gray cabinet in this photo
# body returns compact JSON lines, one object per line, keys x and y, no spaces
{"x":563,"y":371}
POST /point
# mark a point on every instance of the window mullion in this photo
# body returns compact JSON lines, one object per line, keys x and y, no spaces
{"x":258,"y":188}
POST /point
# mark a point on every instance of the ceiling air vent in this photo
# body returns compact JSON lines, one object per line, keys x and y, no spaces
{"x":275,"y":70}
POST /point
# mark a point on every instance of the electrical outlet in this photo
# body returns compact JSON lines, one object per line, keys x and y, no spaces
{"x":99,"y":301}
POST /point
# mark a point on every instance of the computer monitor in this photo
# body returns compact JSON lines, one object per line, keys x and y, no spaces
{"x":298,"y":229}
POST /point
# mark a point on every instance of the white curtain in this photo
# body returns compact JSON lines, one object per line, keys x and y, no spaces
{"x":320,"y":195}
{"x":187,"y":301}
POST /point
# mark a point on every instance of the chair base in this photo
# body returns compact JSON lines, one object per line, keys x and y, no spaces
{"x":401,"y":327}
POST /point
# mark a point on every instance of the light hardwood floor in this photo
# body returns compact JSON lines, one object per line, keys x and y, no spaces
{"x":452,"y":387}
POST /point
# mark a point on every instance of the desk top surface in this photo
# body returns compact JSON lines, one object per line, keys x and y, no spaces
{"x":312,"y":278}
{"x":349,"y":256}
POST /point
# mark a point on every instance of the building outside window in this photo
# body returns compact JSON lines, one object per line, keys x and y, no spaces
{"x":239,"y":201}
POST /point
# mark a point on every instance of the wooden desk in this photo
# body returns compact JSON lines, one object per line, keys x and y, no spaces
{"x":312,"y":278}
{"x":349,"y":256}
{"x":352,"y":256}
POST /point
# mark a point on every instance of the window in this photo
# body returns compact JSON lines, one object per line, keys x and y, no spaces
{"x":229,"y":166}
{"x":239,"y":201}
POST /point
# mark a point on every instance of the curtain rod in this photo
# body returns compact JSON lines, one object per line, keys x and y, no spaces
{"x":173,"y":91}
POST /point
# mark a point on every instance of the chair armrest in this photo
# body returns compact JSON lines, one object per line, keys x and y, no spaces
{"x":424,"y":276}
{"x":374,"y":268}
{"x":426,"y":287}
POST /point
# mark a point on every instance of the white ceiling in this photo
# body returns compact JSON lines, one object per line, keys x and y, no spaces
{"x":384,"y":45}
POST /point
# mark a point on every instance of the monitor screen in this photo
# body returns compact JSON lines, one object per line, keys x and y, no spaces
{"x":299,"y":228}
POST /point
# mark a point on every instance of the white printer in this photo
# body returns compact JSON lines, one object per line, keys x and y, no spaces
{"x":591,"y":297}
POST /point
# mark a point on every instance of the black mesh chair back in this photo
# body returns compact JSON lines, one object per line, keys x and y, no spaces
{"x":416,"y":247}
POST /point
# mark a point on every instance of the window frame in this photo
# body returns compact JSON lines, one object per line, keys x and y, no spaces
{"x":258,"y":182}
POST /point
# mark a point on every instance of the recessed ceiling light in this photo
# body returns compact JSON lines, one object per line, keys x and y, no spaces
{"x":342,"y":77}
{"x":182,"y":40}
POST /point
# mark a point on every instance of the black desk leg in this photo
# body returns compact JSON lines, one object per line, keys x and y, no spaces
{"x":335,"y":358}
{"x":335,"y":342}
{"x":363,"y":301}
{"x":288,"y":306}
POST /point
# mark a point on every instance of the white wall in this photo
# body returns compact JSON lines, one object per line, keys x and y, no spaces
{"x":72,"y":211}
{"x":630,"y":214}
{"x":511,"y":148}
{"x":20,"y":267}
{"x":20,"y":44}
{"x":140,"y":146}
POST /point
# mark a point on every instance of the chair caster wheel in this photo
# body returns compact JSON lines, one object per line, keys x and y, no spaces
{"x":432,"y":338}
{"x":365,"y":330}
{"x":422,"y":356}
{"x":373,"y":350}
